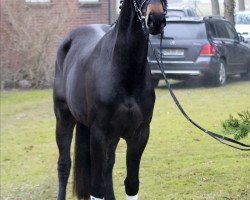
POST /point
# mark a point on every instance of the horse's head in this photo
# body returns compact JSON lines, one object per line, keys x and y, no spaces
{"x":154,"y":12}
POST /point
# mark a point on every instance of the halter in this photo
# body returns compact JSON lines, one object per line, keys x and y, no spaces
{"x":141,"y":17}
{"x":138,"y":8}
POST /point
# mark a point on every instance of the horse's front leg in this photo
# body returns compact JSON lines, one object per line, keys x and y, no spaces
{"x":98,"y":154}
{"x":135,"y":148}
{"x":109,"y":195}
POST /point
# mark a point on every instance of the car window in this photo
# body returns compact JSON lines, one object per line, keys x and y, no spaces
{"x":221,"y":30}
{"x":190,"y":13}
{"x":176,"y":13}
{"x":212,"y":31}
{"x":242,"y":19}
{"x":231,"y":31}
{"x":185,"y":30}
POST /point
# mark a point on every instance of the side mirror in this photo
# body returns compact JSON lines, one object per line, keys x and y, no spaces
{"x":241,"y":38}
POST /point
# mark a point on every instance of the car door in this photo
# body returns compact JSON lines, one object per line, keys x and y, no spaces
{"x":239,"y":50}
{"x":227,"y":44}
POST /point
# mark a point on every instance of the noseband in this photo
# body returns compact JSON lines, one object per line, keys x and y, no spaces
{"x":139,"y":11}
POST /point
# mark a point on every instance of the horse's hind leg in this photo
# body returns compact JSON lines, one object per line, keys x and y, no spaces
{"x":98,"y":153}
{"x":64,"y":132}
{"x":109,"y":171}
{"x":135,"y":148}
{"x":82,"y":162}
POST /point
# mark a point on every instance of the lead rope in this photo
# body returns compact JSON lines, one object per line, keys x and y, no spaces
{"x":216,"y":136}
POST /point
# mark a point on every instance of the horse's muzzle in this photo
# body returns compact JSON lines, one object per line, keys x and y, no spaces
{"x":156,"y":22}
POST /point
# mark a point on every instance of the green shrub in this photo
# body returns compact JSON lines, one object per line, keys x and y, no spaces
{"x":238,"y":127}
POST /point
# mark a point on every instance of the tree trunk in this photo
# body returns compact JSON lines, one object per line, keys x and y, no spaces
{"x":229,"y":6}
{"x":242,"y":5}
{"x":215,"y":7}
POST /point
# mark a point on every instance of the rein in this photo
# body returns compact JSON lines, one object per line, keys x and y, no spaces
{"x":220,"y":138}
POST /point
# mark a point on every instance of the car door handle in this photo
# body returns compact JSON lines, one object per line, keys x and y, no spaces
{"x":226,"y":42}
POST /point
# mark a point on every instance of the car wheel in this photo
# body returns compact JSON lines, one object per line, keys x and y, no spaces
{"x":155,"y":82}
{"x":220,"y":77}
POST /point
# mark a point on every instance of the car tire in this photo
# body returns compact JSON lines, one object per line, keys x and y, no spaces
{"x":155,"y":82}
{"x":218,"y":78}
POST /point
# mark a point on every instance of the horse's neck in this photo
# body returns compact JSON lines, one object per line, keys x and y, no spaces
{"x":131,"y":42}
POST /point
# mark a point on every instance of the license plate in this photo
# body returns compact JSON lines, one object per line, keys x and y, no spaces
{"x":173,"y":52}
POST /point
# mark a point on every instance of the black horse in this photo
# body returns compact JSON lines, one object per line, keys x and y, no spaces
{"x":103,"y":86}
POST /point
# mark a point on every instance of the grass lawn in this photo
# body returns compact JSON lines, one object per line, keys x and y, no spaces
{"x":180,"y":162}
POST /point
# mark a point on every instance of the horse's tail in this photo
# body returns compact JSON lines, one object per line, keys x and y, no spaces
{"x":81,"y":187}
{"x":62,"y":52}
{"x":60,"y":58}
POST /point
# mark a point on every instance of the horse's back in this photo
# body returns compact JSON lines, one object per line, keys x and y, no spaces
{"x":76,"y":45}
{"x":80,"y":40}
{"x":85,"y":35}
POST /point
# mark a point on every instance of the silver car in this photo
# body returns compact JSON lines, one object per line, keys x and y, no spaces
{"x":242,"y":24}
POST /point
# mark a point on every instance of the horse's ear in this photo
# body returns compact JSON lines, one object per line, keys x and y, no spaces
{"x":121,"y":2}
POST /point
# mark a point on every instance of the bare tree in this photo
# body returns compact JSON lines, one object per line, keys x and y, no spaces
{"x":215,"y":7}
{"x":242,"y":5}
{"x":229,"y":6}
{"x":28,"y":56}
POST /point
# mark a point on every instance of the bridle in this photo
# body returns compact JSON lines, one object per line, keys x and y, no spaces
{"x":140,"y":12}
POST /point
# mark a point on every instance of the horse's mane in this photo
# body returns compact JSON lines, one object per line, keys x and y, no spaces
{"x":120,"y":7}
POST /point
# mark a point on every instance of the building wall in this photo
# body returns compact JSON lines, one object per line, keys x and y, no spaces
{"x":30,"y":29}
{"x":70,"y":13}
{"x":77,"y":14}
